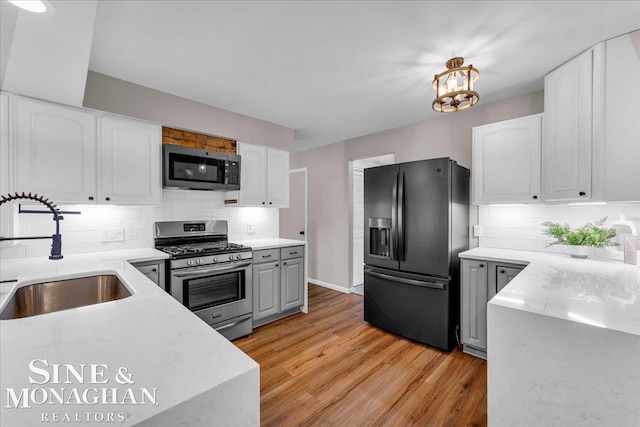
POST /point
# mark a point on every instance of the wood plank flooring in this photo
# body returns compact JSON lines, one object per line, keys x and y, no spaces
{"x":331,"y":368}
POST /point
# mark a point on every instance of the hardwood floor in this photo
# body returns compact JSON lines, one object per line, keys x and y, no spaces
{"x":331,"y":368}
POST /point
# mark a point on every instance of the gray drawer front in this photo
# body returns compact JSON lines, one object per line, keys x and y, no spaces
{"x":292,"y":252}
{"x":266,"y":255}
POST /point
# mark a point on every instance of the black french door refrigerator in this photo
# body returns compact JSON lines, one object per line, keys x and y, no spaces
{"x":416,"y":223}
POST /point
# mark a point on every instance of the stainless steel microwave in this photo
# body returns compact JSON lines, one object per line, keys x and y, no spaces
{"x":196,"y":169}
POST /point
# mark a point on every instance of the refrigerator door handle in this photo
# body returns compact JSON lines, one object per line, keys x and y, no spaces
{"x":393,"y":244}
{"x":400,"y":232}
{"x":413,"y":282}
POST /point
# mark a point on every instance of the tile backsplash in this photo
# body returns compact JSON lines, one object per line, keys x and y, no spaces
{"x":519,"y":227}
{"x":84,"y":233}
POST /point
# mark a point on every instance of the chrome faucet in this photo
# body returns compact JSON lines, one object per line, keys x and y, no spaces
{"x":56,"y":245}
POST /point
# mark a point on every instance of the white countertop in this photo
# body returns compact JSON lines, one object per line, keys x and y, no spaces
{"x":159,"y":342}
{"x":595,"y":292}
{"x":258,"y":244}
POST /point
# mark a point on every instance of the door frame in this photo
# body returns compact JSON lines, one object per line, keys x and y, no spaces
{"x":305,"y":171}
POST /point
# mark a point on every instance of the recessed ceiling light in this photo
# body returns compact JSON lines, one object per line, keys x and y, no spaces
{"x":37,"y":6}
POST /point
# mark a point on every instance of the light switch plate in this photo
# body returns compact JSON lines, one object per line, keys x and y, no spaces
{"x":477,"y":231}
{"x":113,"y":235}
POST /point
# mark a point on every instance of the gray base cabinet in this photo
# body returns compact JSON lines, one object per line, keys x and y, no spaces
{"x":278,"y":283}
{"x":481,"y":281}
{"x":154,"y":270}
{"x":266,"y":295}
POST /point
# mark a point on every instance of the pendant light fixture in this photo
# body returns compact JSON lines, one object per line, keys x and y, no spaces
{"x":454,"y":87}
{"x":36,"y":6}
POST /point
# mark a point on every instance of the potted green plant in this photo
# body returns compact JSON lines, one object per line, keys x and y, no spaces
{"x":589,"y":235}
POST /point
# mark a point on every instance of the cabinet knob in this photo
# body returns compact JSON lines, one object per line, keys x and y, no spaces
{"x":284,"y":263}
{"x":90,"y":197}
{"x":263,"y":203}
{"x":277,"y":265}
{"x":502,"y":271}
{"x":107,"y":198}
{"x":481,"y":265}
{"x":270,"y":203}
{"x":154,"y":269}
{"x":582,"y":193}
{"x":535,"y":197}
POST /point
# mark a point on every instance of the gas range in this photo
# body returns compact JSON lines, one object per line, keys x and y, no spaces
{"x":207,"y":274}
{"x":192,"y":243}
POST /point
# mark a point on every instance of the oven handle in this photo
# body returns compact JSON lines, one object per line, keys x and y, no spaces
{"x":230,"y":325}
{"x":200,"y":271}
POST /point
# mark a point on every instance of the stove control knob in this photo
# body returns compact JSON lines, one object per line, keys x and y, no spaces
{"x":189,"y":262}
{"x":215,"y":259}
{"x":230,"y":257}
{"x":199,"y":261}
{"x":238,"y":256}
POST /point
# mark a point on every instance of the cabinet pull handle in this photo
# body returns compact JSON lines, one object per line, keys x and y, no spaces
{"x":293,"y":253}
{"x":481,"y":265}
{"x":277,"y":265}
{"x":90,"y":197}
{"x":266,"y":256}
{"x":284,"y":263}
{"x":535,"y":197}
{"x":502,"y":271}
{"x":582,"y":193}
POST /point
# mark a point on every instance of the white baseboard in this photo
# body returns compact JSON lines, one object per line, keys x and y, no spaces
{"x":329,"y":285}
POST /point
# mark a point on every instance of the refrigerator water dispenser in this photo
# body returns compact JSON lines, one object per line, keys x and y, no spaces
{"x":380,"y":237}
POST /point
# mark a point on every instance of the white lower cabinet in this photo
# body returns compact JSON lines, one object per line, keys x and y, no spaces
{"x":481,"y":281}
{"x":73,"y":155}
{"x":278,"y":283}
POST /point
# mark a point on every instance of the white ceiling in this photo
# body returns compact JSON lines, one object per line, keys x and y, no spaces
{"x":335,"y":70}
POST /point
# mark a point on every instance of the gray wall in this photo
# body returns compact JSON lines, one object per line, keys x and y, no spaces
{"x":329,"y":230}
{"x":117,"y":96}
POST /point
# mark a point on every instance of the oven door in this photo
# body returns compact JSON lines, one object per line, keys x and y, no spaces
{"x":192,"y":168}
{"x":215,"y":293}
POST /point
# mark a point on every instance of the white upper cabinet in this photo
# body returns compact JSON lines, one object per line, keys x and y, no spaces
{"x":277,"y":178}
{"x":130,"y":160}
{"x":264,"y":176}
{"x":59,"y":153}
{"x":55,"y":151}
{"x":568,"y":128}
{"x":622,"y":118}
{"x":253,"y":174}
{"x":6,"y":211}
{"x":506,"y":161}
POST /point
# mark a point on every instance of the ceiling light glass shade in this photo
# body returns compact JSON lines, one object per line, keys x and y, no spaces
{"x":36,"y":6}
{"x":454,"y":87}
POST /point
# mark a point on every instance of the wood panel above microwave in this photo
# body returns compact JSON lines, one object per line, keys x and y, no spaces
{"x":197,"y":140}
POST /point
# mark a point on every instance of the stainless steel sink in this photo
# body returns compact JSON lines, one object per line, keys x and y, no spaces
{"x":41,"y":298}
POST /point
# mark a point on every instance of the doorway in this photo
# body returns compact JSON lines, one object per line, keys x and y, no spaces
{"x":357,"y":219}
{"x":293,"y":220}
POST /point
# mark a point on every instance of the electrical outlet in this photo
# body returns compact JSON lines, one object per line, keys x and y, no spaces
{"x":477,"y":231}
{"x":251,"y":228}
{"x":113,"y":235}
